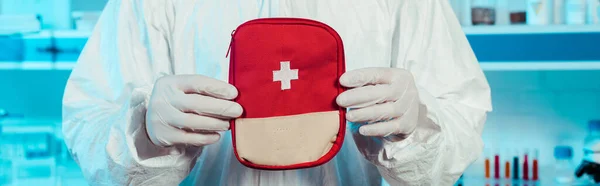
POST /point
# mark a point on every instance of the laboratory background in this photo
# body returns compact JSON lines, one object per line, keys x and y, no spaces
{"x":541,"y":58}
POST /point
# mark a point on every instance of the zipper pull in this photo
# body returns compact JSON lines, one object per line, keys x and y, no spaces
{"x":230,"y":43}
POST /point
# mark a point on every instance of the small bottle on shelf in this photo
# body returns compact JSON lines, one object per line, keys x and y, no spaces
{"x":538,"y":12}
{"x":517,"y":11}
{"x":575,"y":12}
{"x":593,"y":11}
{"x":483,"y":12}
{"x":558,"y":12}
{"x":564,"y":167}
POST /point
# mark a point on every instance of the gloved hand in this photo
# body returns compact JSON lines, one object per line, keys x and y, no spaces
{"x":190,"y":110}
{"x":384,"y":101}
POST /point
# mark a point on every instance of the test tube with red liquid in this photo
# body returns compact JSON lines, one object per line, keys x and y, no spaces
{"x":535,"y":164}
{"x":497,"y":165}
{"x":507,"y":164}
{"x":525,"y":165}
{"x":487,"y":165}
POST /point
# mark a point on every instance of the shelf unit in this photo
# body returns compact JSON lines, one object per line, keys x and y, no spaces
{"x":515,"y":48}
{"x":529,"y":29}
{"x":536,"y":48}
{"x":540,"y":66}
{"x":486,"y":66}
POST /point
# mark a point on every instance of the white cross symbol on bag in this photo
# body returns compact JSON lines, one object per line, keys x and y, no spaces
{"x":285,"y":75}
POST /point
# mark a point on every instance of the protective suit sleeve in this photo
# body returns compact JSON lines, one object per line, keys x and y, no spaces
{"x":454,"y":98}
{"x":105,"y":99}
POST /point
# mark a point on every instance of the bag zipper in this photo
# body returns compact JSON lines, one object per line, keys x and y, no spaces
{"x":230,"y":43}
{"x":279,"y":21}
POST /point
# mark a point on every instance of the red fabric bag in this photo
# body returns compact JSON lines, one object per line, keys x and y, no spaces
{"x":286,"y":71}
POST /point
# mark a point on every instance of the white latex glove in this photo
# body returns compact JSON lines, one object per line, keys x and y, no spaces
{"x":384,"y":101}
{"x":190,"y":110}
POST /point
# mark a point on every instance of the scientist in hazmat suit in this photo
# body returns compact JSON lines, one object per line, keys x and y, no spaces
{"x":154,"y":72}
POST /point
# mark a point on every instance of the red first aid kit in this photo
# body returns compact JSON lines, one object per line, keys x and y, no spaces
{"x":286,"y":71}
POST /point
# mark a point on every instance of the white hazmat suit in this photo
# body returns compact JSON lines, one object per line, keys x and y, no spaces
{"x":138,"y":41}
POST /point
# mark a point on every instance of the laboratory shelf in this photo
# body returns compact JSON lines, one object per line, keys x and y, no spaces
{"x":530,"y":29}
{"x":536,"y":44}
{"x":25,"y":126}
{"x":37,"y":65}
{"x":60,"y":34}
{"x":486,"y":66}
{"x":40,"y":46}
{"x":498,"y":48}
{"x":539,"y":66}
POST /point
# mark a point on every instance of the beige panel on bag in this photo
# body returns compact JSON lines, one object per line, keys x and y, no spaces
{"x":286,"y":140}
